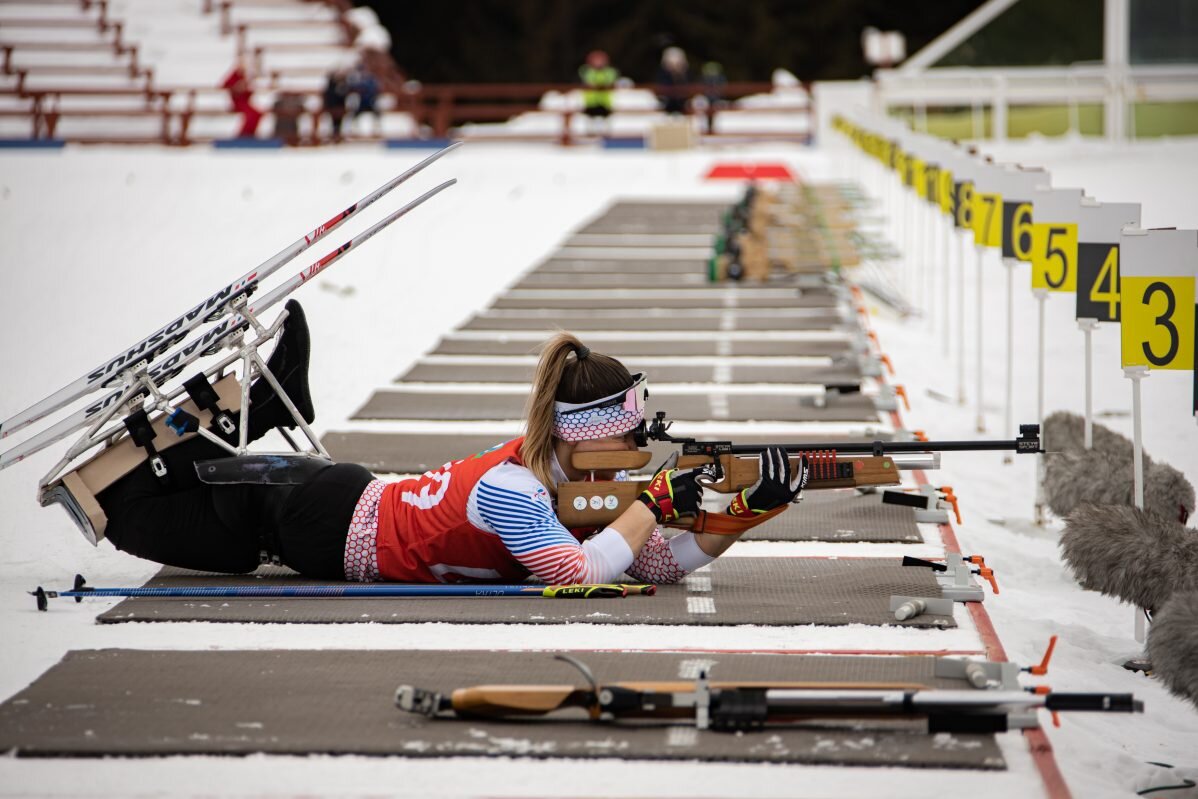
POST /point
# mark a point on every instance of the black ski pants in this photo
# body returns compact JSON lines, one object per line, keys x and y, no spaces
{"x":192,"y":525}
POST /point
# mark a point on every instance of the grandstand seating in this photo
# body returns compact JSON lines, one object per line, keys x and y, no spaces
{"x":143,"y":71}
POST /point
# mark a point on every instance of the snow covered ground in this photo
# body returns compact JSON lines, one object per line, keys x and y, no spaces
{"x":100,"y":245}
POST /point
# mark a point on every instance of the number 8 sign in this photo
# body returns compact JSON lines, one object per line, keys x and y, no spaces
{"x":1157,"y":294}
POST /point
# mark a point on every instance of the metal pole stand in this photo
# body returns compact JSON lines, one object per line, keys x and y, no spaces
{"x":961,"y":319}
{"x":1008,"y":410}
{"x":981,"y":359}
{"x":1087,"y":327}
{"x":1041,"y":297}
{"x":1135,"y":374}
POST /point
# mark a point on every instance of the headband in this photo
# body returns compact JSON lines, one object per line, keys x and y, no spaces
{"x":612,"y":415}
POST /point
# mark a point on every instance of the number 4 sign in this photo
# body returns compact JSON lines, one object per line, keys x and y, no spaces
{"x":1098,"y":229}
{"x":1157,"y":295}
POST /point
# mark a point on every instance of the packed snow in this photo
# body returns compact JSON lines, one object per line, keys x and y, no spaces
{"x":104,"y":244}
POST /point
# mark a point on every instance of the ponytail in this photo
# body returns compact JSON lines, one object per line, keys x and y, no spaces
{"x":568,"y":371}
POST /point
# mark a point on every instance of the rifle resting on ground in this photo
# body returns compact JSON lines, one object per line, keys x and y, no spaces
{"x":732,"y":706}
{"x":731,"y":467}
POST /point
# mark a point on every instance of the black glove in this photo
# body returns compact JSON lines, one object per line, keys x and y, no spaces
{"x":673,"y":492}
{"x":776,"y":485}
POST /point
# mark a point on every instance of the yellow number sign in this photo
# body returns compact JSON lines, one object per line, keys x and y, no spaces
{"x":944,"y":191}
{"x":1054,"y":256}
{"x":1158,"y":322}
{"x":987,"y":219}
{"x":918,"y":181}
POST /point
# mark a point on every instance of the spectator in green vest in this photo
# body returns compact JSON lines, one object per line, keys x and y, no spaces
{"x":599,"y":78}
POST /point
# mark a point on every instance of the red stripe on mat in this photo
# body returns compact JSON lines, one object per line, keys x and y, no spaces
{"x":1038,"y":744}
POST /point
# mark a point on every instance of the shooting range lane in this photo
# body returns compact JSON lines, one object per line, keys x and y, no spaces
{"x":121,"y":702}
{"x":692,"y":407}
{"x":713,"y":369}
{"x":417,"y":452}
{"x":761,"y":591}
{"x":839,"y":346}
{"x":841,"y":515}
{"x":715,"y":319}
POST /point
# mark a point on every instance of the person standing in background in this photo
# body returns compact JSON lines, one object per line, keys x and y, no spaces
{"x":336,"y":89}
{"x":365,"y":86}
{"x":673,"y":78}
{"x":240,"y":94}
{"x":599,"y":77}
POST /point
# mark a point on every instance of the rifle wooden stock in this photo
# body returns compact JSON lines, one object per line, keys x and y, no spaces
{"x":594,"y":504}
{"x":500,"y":701}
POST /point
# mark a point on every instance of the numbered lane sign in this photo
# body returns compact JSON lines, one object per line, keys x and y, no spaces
{"x":1098,"y":228}
{"x":963,"y":204}
{"x":1054,"y":239}
{"x":1019,"y":190}
{"x":944,"y":190}
{"x":987,"y":218}
{"x":1157,"y":297}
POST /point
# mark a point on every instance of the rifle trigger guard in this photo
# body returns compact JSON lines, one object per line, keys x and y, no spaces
{"x":710,"y":474}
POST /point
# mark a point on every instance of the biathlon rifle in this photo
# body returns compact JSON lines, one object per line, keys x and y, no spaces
{"x":733,"y":706}
{"x":731,"y":467}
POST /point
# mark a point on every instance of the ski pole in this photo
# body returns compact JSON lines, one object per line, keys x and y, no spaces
{"x":478,"y":590}
{"x":170,"y":334}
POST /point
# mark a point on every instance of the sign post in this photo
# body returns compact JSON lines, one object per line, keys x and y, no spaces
{"x":1054,"y":269}
{"x":1157,"y":326}
{"x":1098,"y":229}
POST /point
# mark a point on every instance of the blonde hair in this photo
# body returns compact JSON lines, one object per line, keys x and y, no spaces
{"x":562,"y":376}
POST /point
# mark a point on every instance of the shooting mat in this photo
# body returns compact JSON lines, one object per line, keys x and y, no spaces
{"x":122,"y":702}
{"x":732,"y":590}
{"x":832,"y":346}
{"x":841,"y":515}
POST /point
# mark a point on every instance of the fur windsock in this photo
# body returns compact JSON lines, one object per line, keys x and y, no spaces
{"x":1173,"y":644}
{"x":1066,"y":432}
{"x":1092,"y":477}
{"x":1131,"y":554}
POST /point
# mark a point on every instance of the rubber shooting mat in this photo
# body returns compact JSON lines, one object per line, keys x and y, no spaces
{"x":631,"y":298}
{"x":712,"y":319}
{"x":628,"y":347}
{"x":731,"y":407}
{"x":732,"y":590}
{"x":841,"y":515}
{"x":415,"y":453}
{"x":622,"y":267}
{"x":601,"y":278}
{"x":123,"y":702}
{"x":701,"y":372}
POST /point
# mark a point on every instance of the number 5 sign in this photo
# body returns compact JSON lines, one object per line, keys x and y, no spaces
{"x":1157,"y":295}
{"x":1054,"y":239}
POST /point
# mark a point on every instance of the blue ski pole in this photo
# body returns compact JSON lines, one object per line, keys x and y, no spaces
{"x":594,"y":591}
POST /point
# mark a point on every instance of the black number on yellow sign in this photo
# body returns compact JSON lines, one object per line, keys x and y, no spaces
{"x":1017,"y":231}
{"x":1053,"y":251}
{"x":963,"y":205}
{"x":1164,"y":320}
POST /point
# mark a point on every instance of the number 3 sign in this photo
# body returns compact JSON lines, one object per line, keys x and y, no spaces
{"x":1157,"y":294}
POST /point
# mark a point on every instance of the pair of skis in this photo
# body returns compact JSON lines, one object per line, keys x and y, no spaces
{"x":160,"y":354}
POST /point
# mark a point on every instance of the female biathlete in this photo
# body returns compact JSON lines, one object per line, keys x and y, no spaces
{"x":486,"y":517}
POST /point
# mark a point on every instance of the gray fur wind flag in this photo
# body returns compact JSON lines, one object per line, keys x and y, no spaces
{"x":1074,"y":476}
{"x":1149,"y":561}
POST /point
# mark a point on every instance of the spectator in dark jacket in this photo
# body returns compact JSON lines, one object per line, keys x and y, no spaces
{"x":336,"y":90}
{"x":672,"y":79}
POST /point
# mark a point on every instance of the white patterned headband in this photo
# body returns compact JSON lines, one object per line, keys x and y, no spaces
{"x":612,"y":415}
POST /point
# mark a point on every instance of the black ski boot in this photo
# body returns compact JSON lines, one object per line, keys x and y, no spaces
{"x":289,"y":364}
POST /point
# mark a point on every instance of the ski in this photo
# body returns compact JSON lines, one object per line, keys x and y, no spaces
{"x":210,"y":341}
{"x":215,"y":304}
